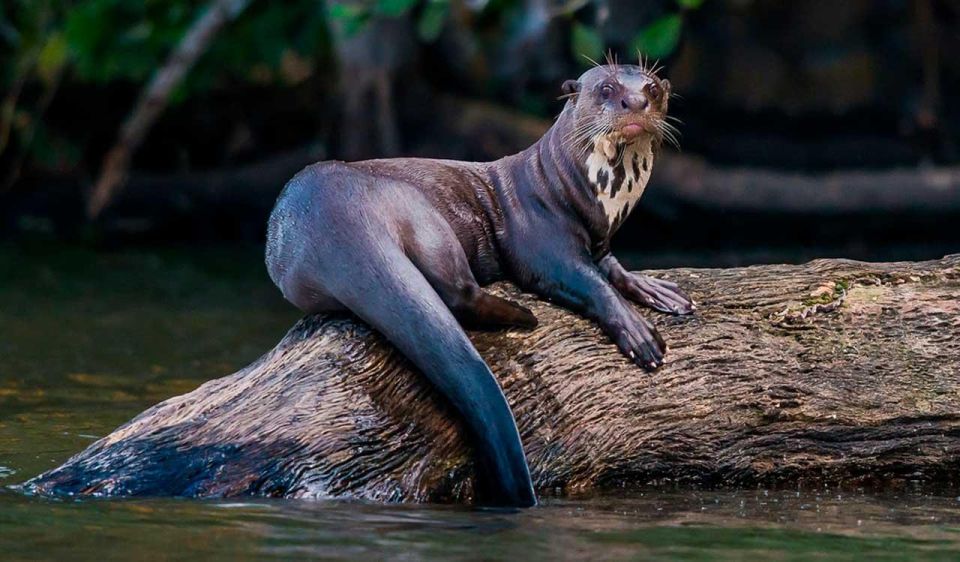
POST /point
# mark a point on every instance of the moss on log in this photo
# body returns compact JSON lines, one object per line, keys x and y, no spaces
{"x":832,"y":372}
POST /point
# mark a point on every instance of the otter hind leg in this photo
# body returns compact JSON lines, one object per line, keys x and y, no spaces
{"x":482,"y":310}
{"x":437,"y":253}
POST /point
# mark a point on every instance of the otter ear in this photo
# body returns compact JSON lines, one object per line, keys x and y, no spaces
{"x":570,"y":87}
{"x":666,"y":87}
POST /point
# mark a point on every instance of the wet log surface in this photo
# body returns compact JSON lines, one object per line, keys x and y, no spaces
{"x":833,"y":372}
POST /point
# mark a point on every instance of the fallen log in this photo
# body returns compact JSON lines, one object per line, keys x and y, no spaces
{"x":833,"y":372}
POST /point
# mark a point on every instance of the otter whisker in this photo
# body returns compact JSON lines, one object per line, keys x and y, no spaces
{"x":620,"y":154}
{"x":595,"y":63}
{"x":581,"y":146}
{"x":583,"y":127}
{"x":580,"y":133}
{"x":580,"y":136}
{"x":671,"y":128}
{"x":613,"y":63}
{"x":668,"y":132}
{"x":593,"y":134}
{"x":667,"y":125}
{"x":644,"y":64}
{"x":657,"y":67}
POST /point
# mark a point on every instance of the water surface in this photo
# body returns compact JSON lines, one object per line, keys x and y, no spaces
{"x":90,"y":339}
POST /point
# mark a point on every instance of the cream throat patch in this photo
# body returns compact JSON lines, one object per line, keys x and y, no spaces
{"x":619,"y":174}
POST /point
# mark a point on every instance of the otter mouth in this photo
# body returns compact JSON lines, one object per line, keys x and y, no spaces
{"x":631,"y":130}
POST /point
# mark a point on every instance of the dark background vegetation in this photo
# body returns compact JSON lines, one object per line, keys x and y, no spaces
{"x":808,"y":89}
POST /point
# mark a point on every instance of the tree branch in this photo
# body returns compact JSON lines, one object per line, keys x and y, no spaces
{"x":155,"y":97}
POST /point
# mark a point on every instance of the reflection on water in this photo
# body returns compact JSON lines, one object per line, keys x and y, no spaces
{"x":679,"y":525}
{"x":89,"y":340}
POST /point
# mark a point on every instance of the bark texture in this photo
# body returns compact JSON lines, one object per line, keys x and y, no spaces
{"x":833,"y":372}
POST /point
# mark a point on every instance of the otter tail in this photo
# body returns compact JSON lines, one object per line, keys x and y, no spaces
{"x":388,"y":292}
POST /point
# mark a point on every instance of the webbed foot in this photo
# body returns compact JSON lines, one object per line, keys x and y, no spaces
{"x":658,"y":294}
{"x":638,"y":339}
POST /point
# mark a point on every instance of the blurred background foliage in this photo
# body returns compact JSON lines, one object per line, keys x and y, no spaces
{"x":107,"y":47}
{"x":110,"y":46}
{"x":809,"y":86}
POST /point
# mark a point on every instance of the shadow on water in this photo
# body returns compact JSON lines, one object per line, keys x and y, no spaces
{"x":90,"y":339}
{"x":683,"y":525}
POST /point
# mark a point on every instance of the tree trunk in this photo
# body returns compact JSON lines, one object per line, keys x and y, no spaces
{"x":833,"y":372}
{"x":687,"y":180}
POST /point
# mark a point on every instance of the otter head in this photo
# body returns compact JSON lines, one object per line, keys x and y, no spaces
{"x":623,"y":102}
{"x":617,"y":118}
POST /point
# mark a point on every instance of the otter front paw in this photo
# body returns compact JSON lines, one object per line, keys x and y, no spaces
{"x":638,"y":339}
{"x":658,"y":294}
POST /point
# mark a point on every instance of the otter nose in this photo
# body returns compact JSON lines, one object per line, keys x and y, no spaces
{"x":635,"y":102}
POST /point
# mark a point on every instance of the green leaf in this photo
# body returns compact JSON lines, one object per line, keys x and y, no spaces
{"x":352,"y":17}
{"x":586,"y":42}
{"x":85,"y":36}
{"x":52,"y":57}
{"x":690,"y":4}
{"x":432,"y":20}
{"x":660,"y":38}
{"x":394,"y":8}
{"x":345,"y":11}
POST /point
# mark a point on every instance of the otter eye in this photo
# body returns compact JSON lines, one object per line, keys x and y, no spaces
{"x":654,"y":91}
{"x":607,"y":90}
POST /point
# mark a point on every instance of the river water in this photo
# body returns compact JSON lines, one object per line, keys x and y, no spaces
{"x":90,"y":339}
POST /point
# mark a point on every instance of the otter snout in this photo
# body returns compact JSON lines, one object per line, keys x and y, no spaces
{"x":635,"y":102}
{"x":636,"y":112}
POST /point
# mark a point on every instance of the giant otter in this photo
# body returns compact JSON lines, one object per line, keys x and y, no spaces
{"x":406,"y":244}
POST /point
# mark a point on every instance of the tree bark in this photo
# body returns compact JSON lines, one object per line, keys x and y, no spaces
{"x":834,"y":372}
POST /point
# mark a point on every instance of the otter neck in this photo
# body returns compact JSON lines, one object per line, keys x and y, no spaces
{"x":558,"y":179}
{"x":600,"y":174}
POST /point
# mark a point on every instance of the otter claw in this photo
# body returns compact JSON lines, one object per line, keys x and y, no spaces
{"x":664,"y":296}
{"x":637,"y":339}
